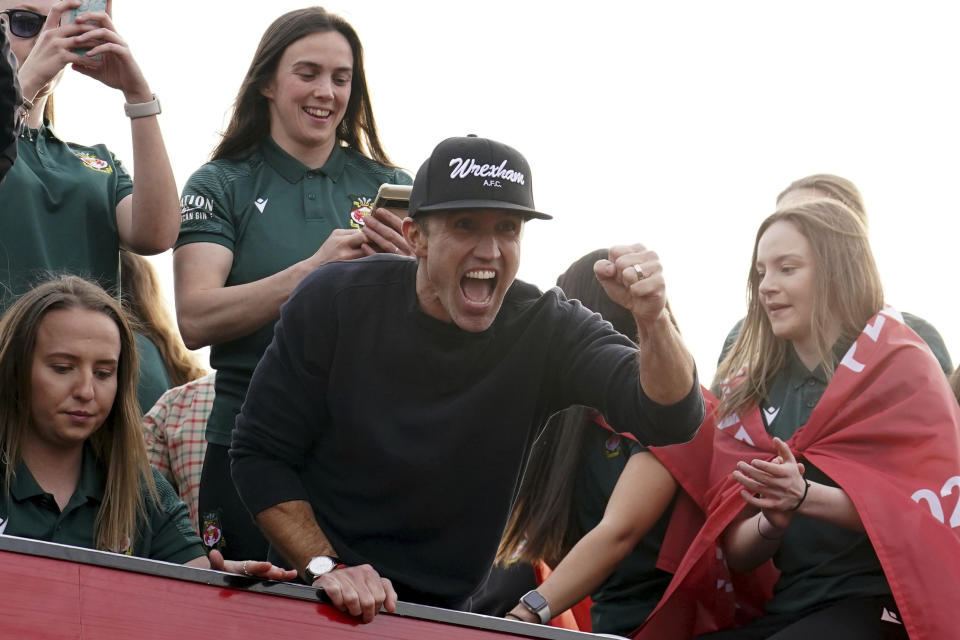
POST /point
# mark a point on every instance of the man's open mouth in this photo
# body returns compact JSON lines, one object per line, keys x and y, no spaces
{"x":478,"y":285}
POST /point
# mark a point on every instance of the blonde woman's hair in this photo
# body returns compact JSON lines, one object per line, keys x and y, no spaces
{"x":830,"y":186}
{"x":144,"y":304}
{"x":48,"y":111}
{"x":117,"y":444}
{"x":847,"y":293}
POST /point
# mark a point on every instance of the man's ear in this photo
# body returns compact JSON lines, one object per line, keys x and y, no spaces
{"x":415,"y":236}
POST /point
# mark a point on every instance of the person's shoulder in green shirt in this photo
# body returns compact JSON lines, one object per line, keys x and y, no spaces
{"x":154,"y":379}
{"x":168,"y":533}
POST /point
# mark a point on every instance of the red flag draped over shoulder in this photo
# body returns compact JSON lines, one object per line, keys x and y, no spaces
{"x":712,"y":598}
{"x":887,"y":430}
{"x":708,"y":597}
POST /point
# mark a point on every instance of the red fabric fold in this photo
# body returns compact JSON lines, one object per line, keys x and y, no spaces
{"x":887,"y":430}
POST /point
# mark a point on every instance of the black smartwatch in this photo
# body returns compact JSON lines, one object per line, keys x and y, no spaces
{"x":537,"y":605}
{"x":318,"y":566}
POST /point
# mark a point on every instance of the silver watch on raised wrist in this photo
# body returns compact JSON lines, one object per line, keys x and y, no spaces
{"x":318,"y":566}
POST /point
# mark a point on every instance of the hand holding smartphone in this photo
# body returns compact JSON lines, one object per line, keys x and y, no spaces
{"x":395,"y":198}
{"x":86,"y":6}
{"x":386,"y":235}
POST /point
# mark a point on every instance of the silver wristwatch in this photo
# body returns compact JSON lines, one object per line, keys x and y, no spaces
{"x":318,"y":566}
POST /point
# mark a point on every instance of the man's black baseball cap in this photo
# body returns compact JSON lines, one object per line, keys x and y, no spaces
{"x":474,"y":173}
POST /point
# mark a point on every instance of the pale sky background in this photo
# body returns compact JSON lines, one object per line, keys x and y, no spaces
{"x":672,"y":123}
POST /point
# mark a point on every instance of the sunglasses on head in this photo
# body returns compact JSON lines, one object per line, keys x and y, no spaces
{"x":24,"y":23}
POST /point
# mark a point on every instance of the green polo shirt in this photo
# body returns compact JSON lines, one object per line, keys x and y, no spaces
{"x":153,"y":380}
{"x":58,"y":213}
{"x":31,"y":512}
{"x":635,"y":586}
{"x":271,"y":211}
{"x":819,"y":562}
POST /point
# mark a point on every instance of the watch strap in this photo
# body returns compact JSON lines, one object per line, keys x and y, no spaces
{"x":142,"y":109}
{"x":542,"y":611}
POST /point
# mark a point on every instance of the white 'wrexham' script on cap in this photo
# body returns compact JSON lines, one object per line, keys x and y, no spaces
{"x":468,"y":167}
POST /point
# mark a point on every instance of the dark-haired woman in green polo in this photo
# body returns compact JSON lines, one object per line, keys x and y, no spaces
{"x":289,"y":189}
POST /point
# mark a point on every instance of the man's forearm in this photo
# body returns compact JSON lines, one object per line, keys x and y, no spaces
{"x":292,"y":530}
{"x":666,"y":367}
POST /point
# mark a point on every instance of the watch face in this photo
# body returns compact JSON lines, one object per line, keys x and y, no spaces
{"x":320,"y":565}
{"x":534,"y":601}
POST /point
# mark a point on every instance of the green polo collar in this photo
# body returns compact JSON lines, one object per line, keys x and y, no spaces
{"x":46,"y":130}
{"x":51,"y":131}
{"x":798,"y":372}
{"x":293,"y":170}
{"x":91,"y":484}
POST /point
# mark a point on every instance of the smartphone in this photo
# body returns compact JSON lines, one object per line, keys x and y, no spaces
{"x":395,"y":198}
{"x":85,"y":6}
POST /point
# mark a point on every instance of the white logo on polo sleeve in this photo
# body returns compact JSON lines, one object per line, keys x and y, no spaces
{"x":260,"y":204}
{"x":194,"y":207}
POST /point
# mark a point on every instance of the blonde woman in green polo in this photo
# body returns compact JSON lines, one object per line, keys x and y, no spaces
{"x":74,"y":469}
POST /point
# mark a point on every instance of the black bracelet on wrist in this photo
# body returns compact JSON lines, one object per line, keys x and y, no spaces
{"x":805,"y":490}
{"x":760,"y":517}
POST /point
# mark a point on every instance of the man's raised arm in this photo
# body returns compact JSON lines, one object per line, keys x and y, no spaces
{"x":633,"y":278}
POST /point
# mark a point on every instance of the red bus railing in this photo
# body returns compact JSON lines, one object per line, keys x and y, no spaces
{"x":57,"y":591}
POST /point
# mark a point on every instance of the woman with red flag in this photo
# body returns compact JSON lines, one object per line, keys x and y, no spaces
{"x":847,"y":447}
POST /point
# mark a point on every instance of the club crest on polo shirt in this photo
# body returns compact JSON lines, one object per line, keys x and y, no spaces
{"x":362,"y":206}
{"x":211,"y":530}
{"x":612,"y":446}
{"x":93,"y":162}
